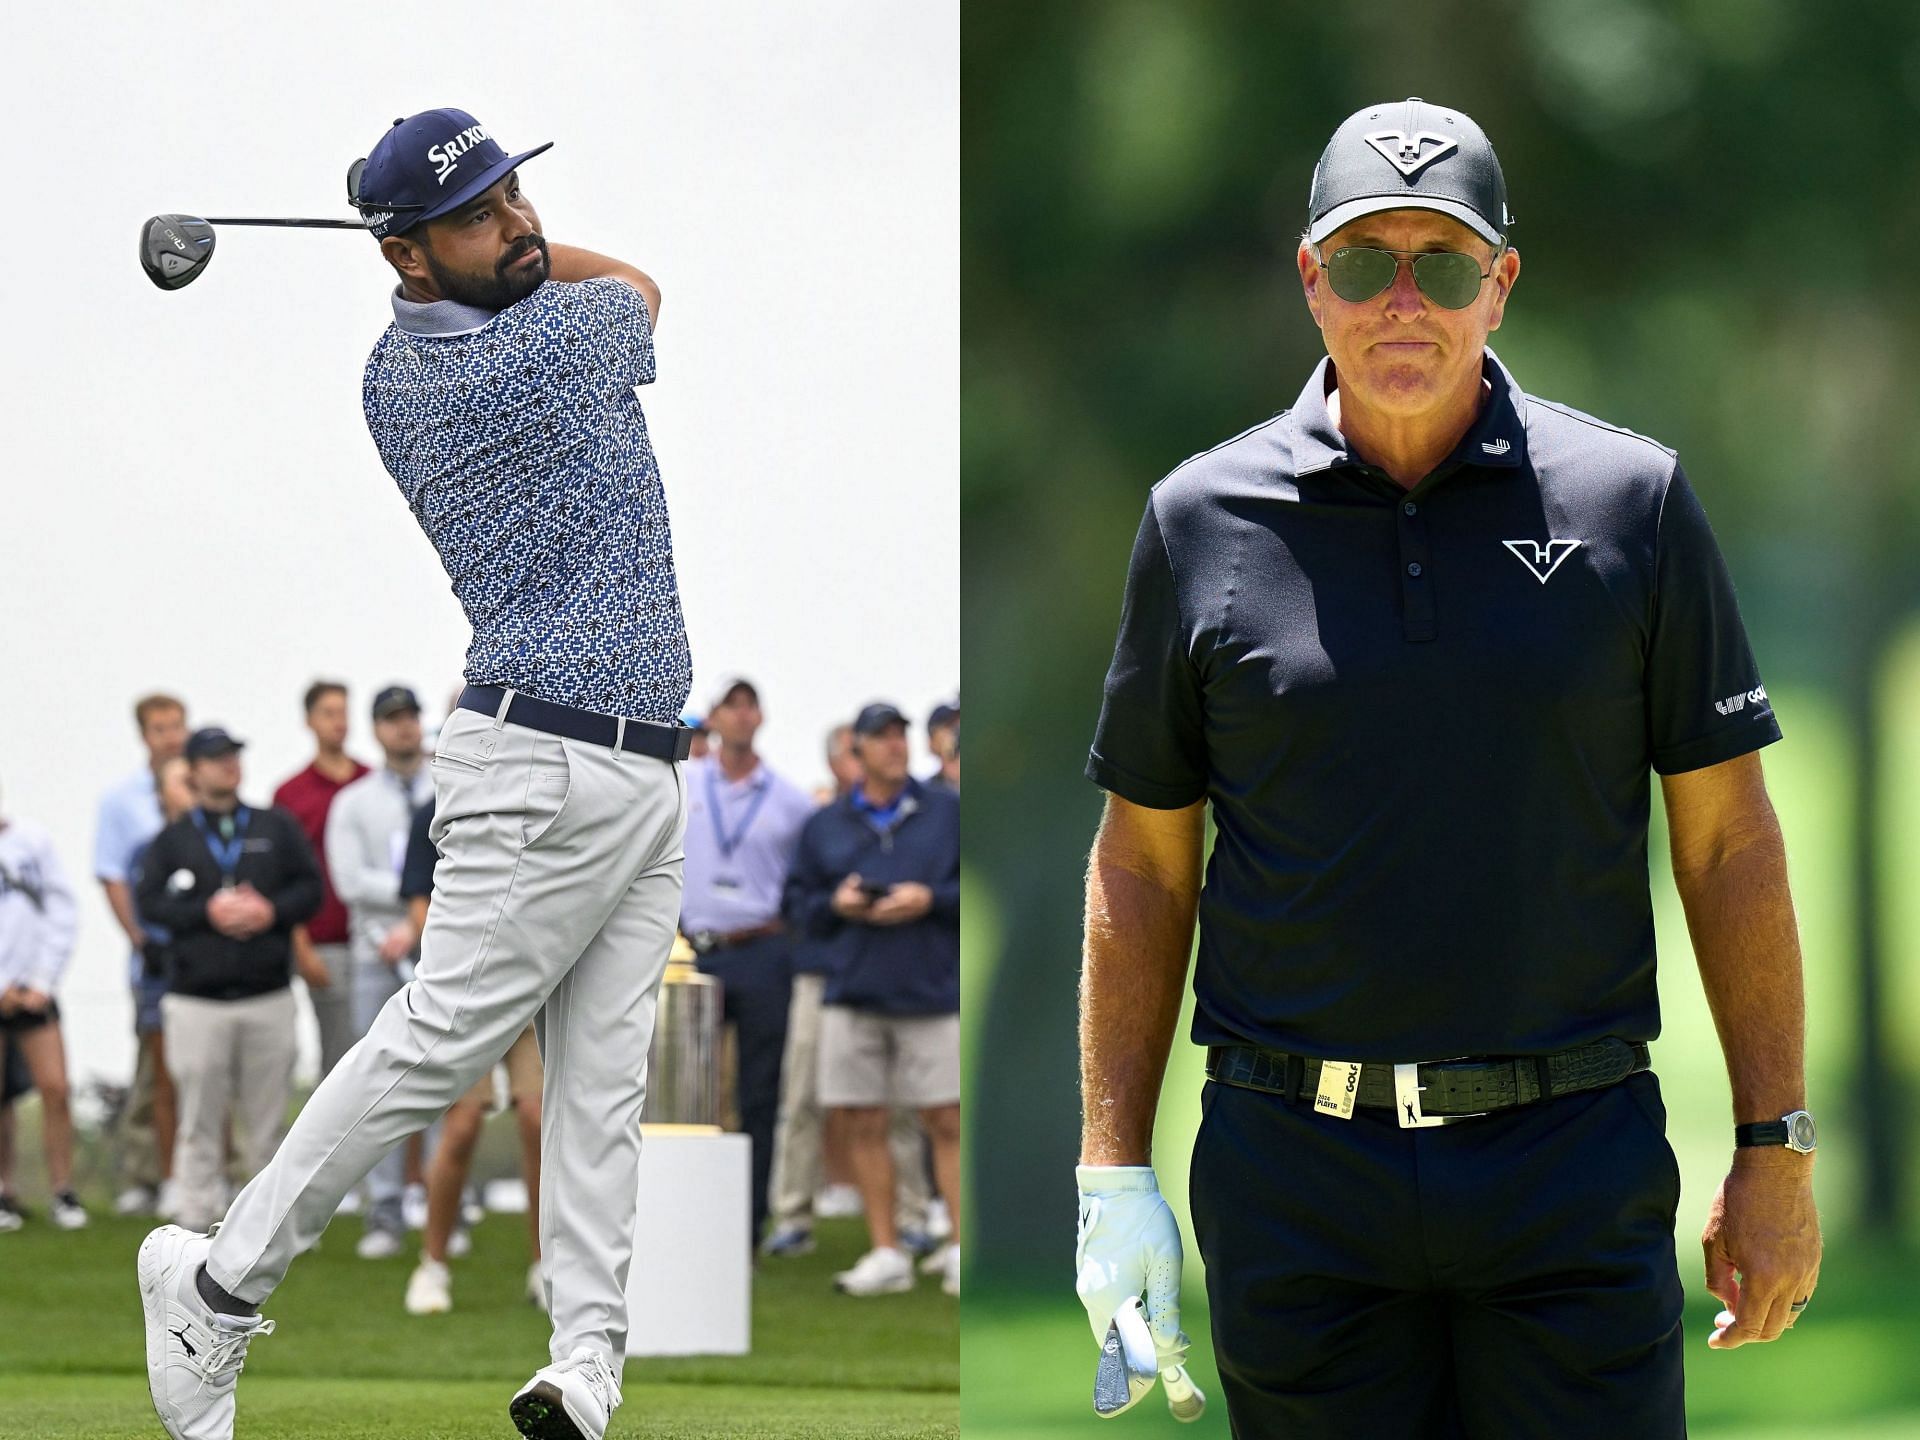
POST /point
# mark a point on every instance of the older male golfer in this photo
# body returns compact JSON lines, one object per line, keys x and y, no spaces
{"x":502,"y":401}
{"x":1419,"y":642}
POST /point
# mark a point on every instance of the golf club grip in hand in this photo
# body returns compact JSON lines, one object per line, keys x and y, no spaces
{"x":1129,"y":1246}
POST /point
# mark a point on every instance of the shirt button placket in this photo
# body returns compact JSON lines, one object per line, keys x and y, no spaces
{"x":1417,"y":618}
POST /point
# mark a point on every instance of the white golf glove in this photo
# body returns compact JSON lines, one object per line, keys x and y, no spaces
{"x":1129,"y":1245}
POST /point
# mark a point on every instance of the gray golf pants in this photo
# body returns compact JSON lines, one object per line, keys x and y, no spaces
{"x":555,"y":901}
{"x":228,"y":1058}
{"x":333,"y":1006}
{"x":374,"y":983}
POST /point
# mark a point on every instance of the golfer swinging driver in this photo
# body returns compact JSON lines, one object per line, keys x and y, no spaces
{"x":502,"y":401}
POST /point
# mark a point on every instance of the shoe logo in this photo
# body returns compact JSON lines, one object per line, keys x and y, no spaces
{"x":181,"y":1336}
{"x":1495,"y":447}
{"x":1734,"y":704}
{"x":1410,"y":154}
{"x":1541,"y":560}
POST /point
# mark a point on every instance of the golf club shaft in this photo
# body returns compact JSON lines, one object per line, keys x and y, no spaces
{"x":295,"y":224}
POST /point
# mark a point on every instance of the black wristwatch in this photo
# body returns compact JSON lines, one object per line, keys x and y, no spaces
{"x":1795,"y":1130}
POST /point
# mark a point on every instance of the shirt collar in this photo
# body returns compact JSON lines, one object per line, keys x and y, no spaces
{"x":754,"y":779}
{"x":439,"y":318}
{"x":857,"y":799}
{"x":1497,"y":439}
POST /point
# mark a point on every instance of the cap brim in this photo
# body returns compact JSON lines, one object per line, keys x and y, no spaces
{"x":1399,"y":200}
{"x":479,"y":185}
{"x":733,"y":687}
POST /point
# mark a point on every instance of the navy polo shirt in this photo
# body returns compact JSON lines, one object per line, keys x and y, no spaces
{"x":1425,"y":720}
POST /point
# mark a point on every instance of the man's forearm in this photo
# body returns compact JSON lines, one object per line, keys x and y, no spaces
{"x":1139,"y":937}
{"x":570,"y":263}
{"x":1740,"y":914}
{"x":120,"y":901}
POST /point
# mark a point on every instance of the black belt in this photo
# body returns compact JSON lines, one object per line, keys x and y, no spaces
{"x":640,"y":737}
{"x":705,"y":942}
{"x":1437,"y":1092}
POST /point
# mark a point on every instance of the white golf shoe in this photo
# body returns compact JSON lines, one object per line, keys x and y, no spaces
{"x":950,"y":1276}
{"x":878,"y":1272}
{"x":838,"y":1202}
{"x":430,"y":1289}
{"x":194,"y":1354}
{"x":379,"y":1245}
{"x":570,"y":1400}
{"x":136,"y":1200}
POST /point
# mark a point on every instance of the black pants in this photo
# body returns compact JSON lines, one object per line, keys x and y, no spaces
{"x":1510,"y":1276}
{"x":758,"y":981}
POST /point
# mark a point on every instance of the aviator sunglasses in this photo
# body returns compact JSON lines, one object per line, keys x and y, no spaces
{"x":1446,"y":277}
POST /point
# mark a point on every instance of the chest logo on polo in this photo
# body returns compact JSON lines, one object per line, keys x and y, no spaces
{"x":1541,"y":559}
{"x":1410,"y":154}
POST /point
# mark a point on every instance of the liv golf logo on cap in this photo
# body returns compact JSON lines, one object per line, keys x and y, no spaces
{"x":444,"y":156}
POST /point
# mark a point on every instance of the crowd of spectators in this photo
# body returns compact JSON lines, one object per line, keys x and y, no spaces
{"x":829,"y":915}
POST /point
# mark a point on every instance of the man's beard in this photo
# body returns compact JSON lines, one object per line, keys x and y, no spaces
{"x":501,"y":289}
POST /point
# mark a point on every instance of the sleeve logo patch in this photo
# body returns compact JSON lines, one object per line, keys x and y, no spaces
{"x":1734,"y":704}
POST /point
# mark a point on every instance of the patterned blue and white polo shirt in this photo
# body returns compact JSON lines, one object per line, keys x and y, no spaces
{"x":521,"y":449}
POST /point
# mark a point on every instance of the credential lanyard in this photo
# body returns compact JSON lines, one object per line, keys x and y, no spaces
{"x":728,"y":844}
{"x":226,"y":853}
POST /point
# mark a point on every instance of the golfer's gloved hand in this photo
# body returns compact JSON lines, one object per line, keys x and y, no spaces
{"x":1129,"y":1244}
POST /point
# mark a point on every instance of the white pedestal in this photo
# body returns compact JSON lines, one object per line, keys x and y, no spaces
{"x":691,"y":1286}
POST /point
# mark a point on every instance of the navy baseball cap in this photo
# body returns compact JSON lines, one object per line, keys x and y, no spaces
{"x":426,"y":166}
{"x":947,"y":712}
{"x":877,"y":717}
{"x":211,"y":742}
{"x":393,"y":700}
{"x":1409,"y":155}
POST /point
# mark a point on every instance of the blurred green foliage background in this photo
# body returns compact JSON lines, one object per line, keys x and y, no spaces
{"x":1715,"y":201}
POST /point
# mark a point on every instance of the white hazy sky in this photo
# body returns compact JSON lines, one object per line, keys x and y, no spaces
{"x":191,"y":501}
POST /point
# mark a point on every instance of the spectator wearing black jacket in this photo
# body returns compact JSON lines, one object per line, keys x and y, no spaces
{"x":229,"y":883}
{"x":876,"y":882}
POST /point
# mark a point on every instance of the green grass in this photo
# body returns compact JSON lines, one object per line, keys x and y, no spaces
{"x":348,"y":1362}
{"x":1029,"y":1358}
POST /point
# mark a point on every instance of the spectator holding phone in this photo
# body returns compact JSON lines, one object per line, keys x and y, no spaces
{"x":877,"y":879}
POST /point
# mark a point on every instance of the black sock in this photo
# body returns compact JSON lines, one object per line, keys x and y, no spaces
{"x":219,"y":1299}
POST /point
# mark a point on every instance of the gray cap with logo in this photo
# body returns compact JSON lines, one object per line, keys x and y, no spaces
{"x":1409,"y":155}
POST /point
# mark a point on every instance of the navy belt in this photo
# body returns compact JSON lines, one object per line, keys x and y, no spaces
{"x":1438,"y":1092}
{"x":639,"y":737}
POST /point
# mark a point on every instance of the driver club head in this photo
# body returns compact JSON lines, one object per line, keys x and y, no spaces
{"x":1127,"y":1368}
{"x":174,"y":249}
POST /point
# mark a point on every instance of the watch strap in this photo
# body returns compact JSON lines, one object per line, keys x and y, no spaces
{"x":1766,"y":1132}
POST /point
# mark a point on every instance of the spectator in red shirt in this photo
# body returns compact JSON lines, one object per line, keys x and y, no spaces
{"x":320,"y":946}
